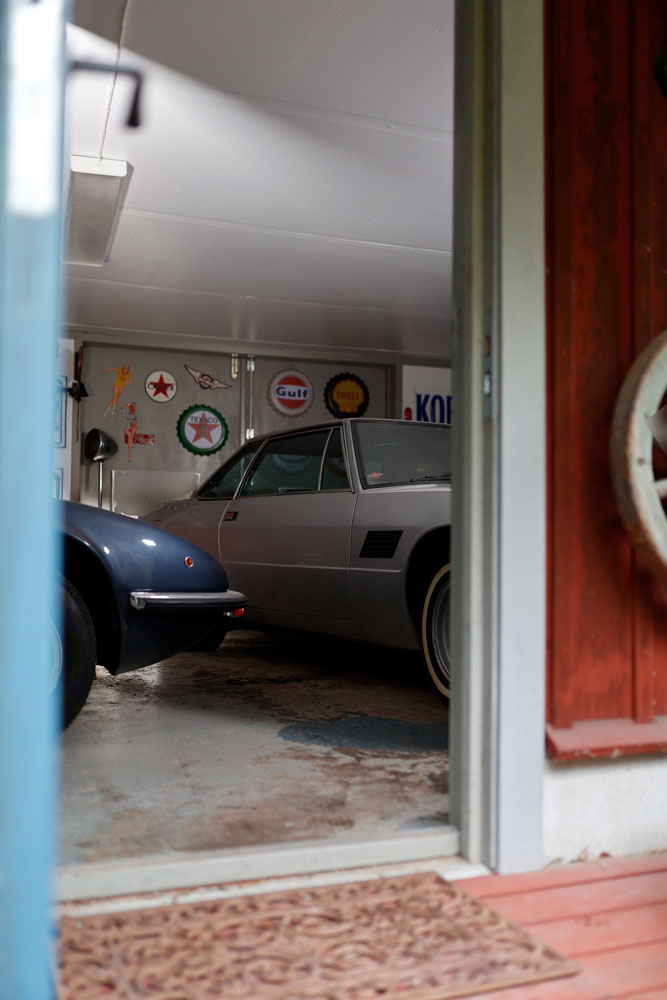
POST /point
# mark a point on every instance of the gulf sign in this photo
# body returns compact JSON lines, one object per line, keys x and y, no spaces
{"x":290,"y":393}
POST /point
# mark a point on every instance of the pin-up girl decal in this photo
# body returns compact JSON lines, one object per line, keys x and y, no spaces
{"x":131,"y":426}
{"x":122,"y":379}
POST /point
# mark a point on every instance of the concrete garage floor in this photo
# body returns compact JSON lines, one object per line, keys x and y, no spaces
{"x":274,"y":738}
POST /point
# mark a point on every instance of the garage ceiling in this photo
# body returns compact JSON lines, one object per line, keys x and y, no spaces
{"x":292,"y":178}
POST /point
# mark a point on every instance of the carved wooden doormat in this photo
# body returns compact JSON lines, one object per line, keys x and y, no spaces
{"x":414,"y":937}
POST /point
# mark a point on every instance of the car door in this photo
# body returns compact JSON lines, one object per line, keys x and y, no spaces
{"x":199,"y":518}
{"x":285,"y":539}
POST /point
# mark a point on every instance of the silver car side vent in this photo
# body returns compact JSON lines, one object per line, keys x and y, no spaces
{"x":380,"y":544}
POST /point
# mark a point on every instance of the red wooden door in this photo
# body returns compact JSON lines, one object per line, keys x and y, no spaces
{"x":606,"y":183}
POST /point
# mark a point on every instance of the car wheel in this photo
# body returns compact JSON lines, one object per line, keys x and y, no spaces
{"x":74,"y":654}
{"x":209,"y":641}
{"x":435,"y":630}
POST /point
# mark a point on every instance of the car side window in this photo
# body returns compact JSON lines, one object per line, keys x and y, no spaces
{"x":223,"y":484}
{"x":334,"y":473}
{"x":288,"y":465}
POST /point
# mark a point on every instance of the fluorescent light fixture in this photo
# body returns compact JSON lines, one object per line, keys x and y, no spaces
{"x":96,"y":195}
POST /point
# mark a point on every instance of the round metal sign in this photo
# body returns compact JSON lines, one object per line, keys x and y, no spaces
{"x":346,"y":395}
{"x":290,"y":393}
{"x":202,"y":430}
{"x":160,"y":386}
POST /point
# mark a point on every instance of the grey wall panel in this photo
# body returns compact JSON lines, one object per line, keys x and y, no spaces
{"x":158,"y":419}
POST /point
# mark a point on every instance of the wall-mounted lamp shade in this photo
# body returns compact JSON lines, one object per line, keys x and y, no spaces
{"x":98,"y":445}
{"x":96,"y":194}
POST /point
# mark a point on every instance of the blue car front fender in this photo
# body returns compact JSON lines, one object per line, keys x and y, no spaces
{"x":150,"y":593}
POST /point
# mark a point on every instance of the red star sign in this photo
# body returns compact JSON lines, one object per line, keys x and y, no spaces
{"x":161,"y":387}
{"x":202,"y":428}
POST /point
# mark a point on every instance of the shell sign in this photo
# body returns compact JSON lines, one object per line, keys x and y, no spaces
{"x":346,"y":395}
{"x":290,"y":393}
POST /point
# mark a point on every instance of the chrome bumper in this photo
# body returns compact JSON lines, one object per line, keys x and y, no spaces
{"x":141,"y":599}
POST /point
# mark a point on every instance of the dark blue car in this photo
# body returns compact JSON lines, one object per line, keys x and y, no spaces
{"x":132,"y":594}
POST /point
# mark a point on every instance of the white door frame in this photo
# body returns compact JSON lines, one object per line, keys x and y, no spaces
{"x":499,"y":517}
{"x":499,"y":581}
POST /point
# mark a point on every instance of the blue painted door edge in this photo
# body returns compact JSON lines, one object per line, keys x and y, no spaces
{"x":31,"y":130}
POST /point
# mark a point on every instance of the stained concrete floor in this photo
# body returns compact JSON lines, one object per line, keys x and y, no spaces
{"x":276,"y":737}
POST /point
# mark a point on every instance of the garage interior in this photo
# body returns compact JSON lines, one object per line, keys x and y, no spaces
{"x":288,"y":205}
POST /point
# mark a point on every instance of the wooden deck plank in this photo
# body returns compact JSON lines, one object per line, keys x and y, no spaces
{"x":627,"y":972}
{"x":556,"y":989}
{"x":610,"y":916}
{"x":581,"y":899}
{"x":579,"y":935}
{"x":653,"y":995}
{"x":487,"y":886}
{"x":637,"y":973}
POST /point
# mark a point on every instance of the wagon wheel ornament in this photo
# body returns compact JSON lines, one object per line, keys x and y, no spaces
{"x":639,"y":494}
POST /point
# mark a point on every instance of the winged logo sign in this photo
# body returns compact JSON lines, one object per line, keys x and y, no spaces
{"x":205,"y":381}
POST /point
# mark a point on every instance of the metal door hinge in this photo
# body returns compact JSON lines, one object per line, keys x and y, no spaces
{"x":487,"y":377}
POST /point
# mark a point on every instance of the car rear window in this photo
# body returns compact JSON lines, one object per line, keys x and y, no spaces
{"x":395,"y":453}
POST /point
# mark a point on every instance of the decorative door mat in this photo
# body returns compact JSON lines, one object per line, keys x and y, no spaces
{"x":414,"y":937}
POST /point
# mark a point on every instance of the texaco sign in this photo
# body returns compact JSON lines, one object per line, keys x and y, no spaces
{"x":202,"y":429}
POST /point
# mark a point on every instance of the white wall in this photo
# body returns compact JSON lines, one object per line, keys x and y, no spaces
{"x":426,"y":394}
{"x":608,"y":806}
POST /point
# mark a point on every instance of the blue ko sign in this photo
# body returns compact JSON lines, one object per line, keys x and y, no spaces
{"x":427,"y":394}
{"x":433,"y":408}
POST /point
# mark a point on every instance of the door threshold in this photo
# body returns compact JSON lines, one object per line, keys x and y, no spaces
{"x":229,"y":871}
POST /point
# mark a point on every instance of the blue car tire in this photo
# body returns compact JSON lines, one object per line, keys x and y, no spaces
{"x":77,"y":636}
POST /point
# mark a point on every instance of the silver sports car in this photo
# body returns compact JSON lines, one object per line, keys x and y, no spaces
{"x":341,"y":528}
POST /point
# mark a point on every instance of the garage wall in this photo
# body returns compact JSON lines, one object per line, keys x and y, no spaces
{"x":157,"y":412}
{"x":157,"y":391}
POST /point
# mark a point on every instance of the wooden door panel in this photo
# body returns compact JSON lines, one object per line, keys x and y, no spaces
{"x":607,"y":297}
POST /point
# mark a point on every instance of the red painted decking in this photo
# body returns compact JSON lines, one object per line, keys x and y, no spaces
{"x":610,"y":916}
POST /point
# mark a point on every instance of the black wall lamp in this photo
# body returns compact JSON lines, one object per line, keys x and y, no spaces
{"x":97,"y":447}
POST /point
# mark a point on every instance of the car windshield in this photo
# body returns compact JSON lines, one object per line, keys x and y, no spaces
{"x":224,"y":482}
{"x":395,"y":453}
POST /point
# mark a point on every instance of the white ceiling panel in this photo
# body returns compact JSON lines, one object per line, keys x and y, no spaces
{"x":174,"y":317}
{"x":385,"y":58}
{"x":296,"y":154}
{"x":219,"y":259}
